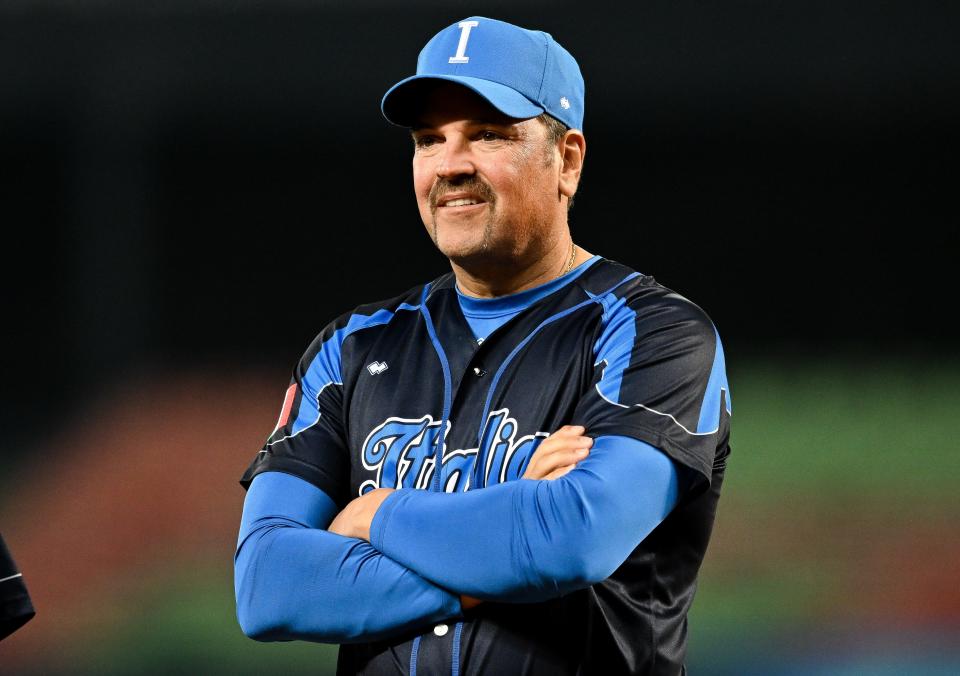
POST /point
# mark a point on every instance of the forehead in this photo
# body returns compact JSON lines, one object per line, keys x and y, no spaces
{"x":444,"y":102}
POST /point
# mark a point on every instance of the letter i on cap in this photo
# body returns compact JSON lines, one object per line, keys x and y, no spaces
{"x":522,"y":73}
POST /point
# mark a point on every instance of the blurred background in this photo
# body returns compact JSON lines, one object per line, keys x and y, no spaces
{"x":191,"y":189}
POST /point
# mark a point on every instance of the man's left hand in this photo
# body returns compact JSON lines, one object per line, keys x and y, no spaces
{"x":355,"y":519}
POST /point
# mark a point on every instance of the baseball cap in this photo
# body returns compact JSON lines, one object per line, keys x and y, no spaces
{"x":522,"y":73}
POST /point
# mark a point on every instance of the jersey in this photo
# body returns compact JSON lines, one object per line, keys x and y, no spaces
{"x":400,"y":394}
{"x":16,"y":609}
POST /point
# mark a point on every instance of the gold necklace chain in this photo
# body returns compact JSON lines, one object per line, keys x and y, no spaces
{"x":573,"y":257}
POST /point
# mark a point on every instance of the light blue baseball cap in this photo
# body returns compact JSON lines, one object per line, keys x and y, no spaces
{"x":522,"y":73}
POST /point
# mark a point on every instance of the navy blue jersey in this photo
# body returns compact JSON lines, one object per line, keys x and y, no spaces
{"x":388,"y":389}
{"x":15,"y":605}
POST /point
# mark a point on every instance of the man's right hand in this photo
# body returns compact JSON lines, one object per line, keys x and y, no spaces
{"x":559,"y":453}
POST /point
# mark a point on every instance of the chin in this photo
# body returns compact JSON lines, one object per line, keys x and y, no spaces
{"x":464,"y":254}
{"x":468,"y":246}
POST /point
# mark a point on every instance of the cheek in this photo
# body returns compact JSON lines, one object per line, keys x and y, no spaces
{"x":421,"y":187}
{"x":423,"y":202}
{"x":422,"y":180}
{"x":527,"y":191}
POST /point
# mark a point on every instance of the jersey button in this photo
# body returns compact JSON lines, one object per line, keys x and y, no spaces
{"x":479,"y":371}
{"x":441,"y":630}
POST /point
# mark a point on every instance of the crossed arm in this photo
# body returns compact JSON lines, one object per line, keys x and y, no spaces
{"x":295,"y":580}
{"x":522,"y":541}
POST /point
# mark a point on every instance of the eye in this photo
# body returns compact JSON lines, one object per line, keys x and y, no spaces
{"x":424,"y":141}
{"x":489,"y":135}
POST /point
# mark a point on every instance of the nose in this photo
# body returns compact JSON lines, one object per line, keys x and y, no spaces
{"x":456,"y":159}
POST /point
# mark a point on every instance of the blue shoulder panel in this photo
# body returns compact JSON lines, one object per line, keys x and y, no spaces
{"x":710,"y":409}
{"x":614,"y":349}
{"x":325,"y":367}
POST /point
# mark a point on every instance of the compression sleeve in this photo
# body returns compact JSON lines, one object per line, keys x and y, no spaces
{"x":294,"y":580}
{"x":530,"y":540}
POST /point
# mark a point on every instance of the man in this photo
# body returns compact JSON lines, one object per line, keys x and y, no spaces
{"x":411,"y":503}
{"x":16,"y":608}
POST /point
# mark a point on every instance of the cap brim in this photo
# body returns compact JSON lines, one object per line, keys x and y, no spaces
{"x":403,"y":102}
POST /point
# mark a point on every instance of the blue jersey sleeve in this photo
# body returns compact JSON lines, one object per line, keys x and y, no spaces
{"x":531,"y":540}
{"x":309,"y":440}
{"x":294,"y":580}
{"x":660,"y":377}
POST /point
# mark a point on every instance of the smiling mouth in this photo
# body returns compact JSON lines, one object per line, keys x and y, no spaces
{"x":463,"y":192}
{"x":462,"y":202}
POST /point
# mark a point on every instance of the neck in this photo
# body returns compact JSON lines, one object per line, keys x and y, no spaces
{"x":492,"y":278}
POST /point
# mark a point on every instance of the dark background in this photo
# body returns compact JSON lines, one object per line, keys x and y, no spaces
{"x":198,"y":186}
{"x":212,"y":181}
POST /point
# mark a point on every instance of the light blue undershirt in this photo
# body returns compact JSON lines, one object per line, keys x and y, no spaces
{"x":486,"y":315}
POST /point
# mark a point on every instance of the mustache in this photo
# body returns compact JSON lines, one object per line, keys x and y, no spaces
{"x":473,"y":184}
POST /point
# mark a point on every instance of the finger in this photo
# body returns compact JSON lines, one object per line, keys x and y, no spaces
{"x":570,"y":429}
{"x":559,"y":472}
{"x":558,"y":440}
{"x":563,"y":458}
{"x":540,"y":467}
{"x":548,"y":459}
{"x":561,"y":444}
{"x":554,"y":452}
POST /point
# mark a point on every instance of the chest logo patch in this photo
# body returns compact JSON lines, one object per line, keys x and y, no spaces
{"x":377,"y":367}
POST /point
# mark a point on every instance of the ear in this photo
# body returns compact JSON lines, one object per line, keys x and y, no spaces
{"x":573,"y":148}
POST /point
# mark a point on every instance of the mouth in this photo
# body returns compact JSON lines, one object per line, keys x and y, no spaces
{"x":460,"y":194}
{"x":458,"y":201}
{"x":459,"y":205}
{"x":462,"y":202}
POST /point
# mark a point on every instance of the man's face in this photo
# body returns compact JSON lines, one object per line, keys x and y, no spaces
{"x":486,"y":184}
